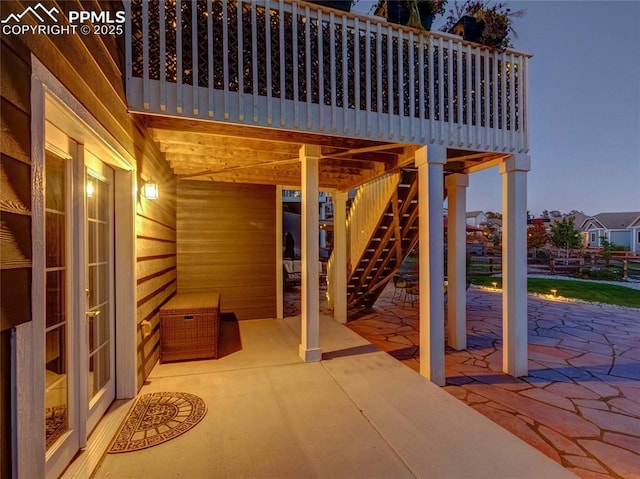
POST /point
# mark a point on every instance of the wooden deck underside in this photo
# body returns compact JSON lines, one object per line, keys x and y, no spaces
{"x":212,"y":151}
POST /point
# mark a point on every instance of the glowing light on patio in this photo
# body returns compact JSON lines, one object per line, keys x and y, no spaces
{"x":495,"y":285}
{"x":554,"y":292}
{"x":150,"y":191}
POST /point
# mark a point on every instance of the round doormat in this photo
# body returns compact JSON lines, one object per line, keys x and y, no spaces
{"x":156,"y":418}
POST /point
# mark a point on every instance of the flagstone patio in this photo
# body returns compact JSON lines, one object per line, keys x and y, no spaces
{"x":580,"y":404}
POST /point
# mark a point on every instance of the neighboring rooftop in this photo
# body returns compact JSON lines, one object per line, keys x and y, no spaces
{"x":615,"y":221}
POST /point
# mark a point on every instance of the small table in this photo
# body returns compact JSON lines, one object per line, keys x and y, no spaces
{"x":189,"y":327}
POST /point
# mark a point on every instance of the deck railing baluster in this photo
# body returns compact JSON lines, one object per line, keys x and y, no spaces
{"x":361,"y":77}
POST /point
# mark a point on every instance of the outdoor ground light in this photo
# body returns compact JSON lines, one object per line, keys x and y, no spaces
{"x":150,"y":190}
{"x":495,"y":285}
{"x":554,"y":292}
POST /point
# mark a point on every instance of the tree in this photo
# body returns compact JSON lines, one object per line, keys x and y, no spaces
{"x":537,"y":236}
{"x":565,"y":236}
{"x":607,"y":249}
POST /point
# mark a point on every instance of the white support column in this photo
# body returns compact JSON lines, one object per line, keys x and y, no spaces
{"x":279,"y":245}
{"x":456,"y":261}
{"x":430,"y":162}
{"x":323,"y":233}
{"x":514,"y":267}
{"x":310,"y":328}
{"x":339,"y":283}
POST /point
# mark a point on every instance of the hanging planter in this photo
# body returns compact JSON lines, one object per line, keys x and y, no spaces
{"x":469,"y":28}
{"x":413,"y":13}
{"x":481,"y":22}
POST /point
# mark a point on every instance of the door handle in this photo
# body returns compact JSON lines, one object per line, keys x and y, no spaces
{"x":93,"y":314}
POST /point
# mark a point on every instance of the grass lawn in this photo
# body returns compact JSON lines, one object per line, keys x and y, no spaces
{"x":586,"y":291}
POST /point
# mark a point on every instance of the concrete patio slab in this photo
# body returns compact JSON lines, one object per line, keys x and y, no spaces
{"x":358,"y":413}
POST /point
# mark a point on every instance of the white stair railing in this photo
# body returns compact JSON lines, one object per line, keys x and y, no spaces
{"x":364,"y":215}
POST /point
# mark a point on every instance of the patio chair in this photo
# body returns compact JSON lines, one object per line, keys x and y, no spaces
{"x":411,"y":294}
{"x":400,"y":285}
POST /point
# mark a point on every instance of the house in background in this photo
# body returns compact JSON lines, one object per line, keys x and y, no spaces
{"x":217,"y":107}
{"x":635,"y":235}
{"x":619,"y":228}
{"x":476,"y":218}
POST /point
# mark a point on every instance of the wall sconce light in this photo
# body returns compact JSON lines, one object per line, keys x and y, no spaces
{"x":90,"y":189}
{"x":150,"y":190}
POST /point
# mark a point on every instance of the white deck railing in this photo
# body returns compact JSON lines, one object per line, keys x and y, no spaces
{"x":365,"y":213}
{"x":298,"y":66}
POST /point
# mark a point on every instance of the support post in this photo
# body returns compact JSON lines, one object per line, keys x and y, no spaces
{"x":310,"y":327}
{"x":323,"y":233}
{"x":514,"y":269}
{"x":457,"y":261}
{"x":430,"y":162}
{"x":279,"y":245}
{"x":339,"y":282}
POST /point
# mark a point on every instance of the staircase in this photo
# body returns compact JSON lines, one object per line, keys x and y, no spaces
{"x":382,"y":229}
{"x":391,"y":240}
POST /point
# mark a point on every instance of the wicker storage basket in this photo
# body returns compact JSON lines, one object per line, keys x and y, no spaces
{"x":189,"y":327}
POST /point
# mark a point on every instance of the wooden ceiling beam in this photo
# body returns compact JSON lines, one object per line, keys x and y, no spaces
{"x":222,"y":151}
{"x":244,"y":159}
{"x":246,"y":132}
{"x":208,"y":139}
{"x":268,"y":177}
{"x":349,"y":166}
{"x":349,"y":163}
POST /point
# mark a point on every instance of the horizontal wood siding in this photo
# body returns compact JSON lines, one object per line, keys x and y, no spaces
{"x":91,"y":67}
{"x":156,"y":259}
{"x":227,"y":243}
{"x":15,"y":185}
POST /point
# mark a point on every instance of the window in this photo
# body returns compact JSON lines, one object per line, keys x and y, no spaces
{"x":593,"y":237}
{"x":56,"y":389}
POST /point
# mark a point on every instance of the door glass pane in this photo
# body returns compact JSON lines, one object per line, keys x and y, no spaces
{"x":91,"y":197}
{"x":56,"y":416}
{"x":92,"y":294}
{"x":92,"y":227}
{"x":103,"y":241}
{"x":55,"y":301}
{"x":55,"y":224}
{"x":56,"y":365}
{"x":103,"y":373}
{"x":98,"y":272}
{"x":103,"y":325}
{"x":56,"y":174}
{"x":103,"y":283}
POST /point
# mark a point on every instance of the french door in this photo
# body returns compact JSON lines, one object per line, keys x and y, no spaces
{"x":79,"y":305}
{"x":99,"y":291}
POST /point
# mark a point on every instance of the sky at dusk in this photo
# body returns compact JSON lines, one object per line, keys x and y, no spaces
{"x":584,"y":107}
